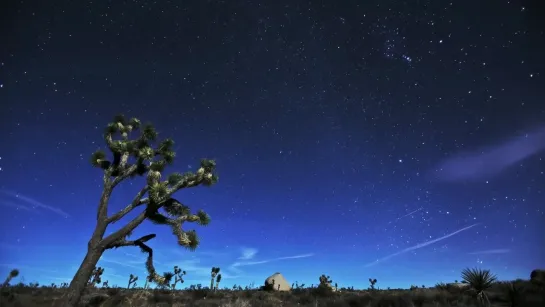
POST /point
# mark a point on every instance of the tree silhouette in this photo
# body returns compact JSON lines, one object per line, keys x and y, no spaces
{"x":213,"y":274}
{"x":142,"y":156}
{"x":12,"y":274}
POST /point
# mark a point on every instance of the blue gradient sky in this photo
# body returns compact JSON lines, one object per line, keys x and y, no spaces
{"x":349,"y":144}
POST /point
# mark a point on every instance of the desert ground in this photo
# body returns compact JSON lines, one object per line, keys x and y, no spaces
{"x":516,"y":293}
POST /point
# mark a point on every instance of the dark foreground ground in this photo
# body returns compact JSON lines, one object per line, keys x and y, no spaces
{"x":525,"y":295}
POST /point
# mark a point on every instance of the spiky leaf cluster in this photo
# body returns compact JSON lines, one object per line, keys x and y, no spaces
{"x":207,"y":169}
{"x":178,"y":214}
{"x":177,"y":270}
{"x":14,"y":273}
{"x":147,"y":157}
{"x":325,"y":279}
{"x":175,"y":208}
{"x":480,"y":280}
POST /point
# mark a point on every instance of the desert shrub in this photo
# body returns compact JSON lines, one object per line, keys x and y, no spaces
{"x":96,"y":299}
{"x":453,"y":299}
{"x":116,"y":301}
{"x":391,"y":301}
{"x":455,"y":290}
{"x":7,"y":295}
{"x":238,"y":302}
{"x":322,"y":291}
{"x":113,"y":291}
{"x":440,"y":297}
{"x":160,"y":297}
{"x":267,"y":287}
{"x":215,"y":295}
{"x":263,"y":296}
{"x":419,"y":299}
{"x":247,"y":293}
{"x":199,"y":293}
{"x":306,"y":299}
{"x":358,"y":300}
{"x":254,"y":302}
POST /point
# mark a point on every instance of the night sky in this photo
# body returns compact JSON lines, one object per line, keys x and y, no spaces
{"x":403,"y":141}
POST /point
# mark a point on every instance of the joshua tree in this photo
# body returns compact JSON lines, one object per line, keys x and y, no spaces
{"x":372,"y":283}
{"x":12,"y":274}
{"x":218,"y":279}
{"x":479,"y":281}
{"x":325,"y":281}
{"x":213,"y":275}
{"x":96,"y":277}
{"x":178,"y":276}
{"x":139,"y":156}
{"x":167,"y":277}
{"x":132,"y":281}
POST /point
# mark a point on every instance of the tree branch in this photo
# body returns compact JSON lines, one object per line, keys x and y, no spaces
{"x":137,"y":201}
{"x":109,"y":141}
{"x":188,"y":182}
{"x":161,"y":280}
{"x":126,"y":173}
{"x":124,"y":159}
{"x":176,"y":227}
{"x":102,"y":212}
{"x":124,"y":242}
{"x":124,"y":231}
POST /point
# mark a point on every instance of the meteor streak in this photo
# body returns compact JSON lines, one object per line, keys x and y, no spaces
{"x":420,"y":245}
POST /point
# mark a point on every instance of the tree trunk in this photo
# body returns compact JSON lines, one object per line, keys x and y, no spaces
{"x":80,"y":280}
{"x":6,"y":283}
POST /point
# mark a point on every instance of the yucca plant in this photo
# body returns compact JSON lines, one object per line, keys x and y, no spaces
{"x":479,"y":280}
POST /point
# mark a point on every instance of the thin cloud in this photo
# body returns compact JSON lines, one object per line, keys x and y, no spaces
{"x":132,"y":255}
{"x":142,"y":261}
{"x":16,"y":206}
{"x":493,"y":159}
{"x":420,"y":245}
{"x":491,"y":251}
{"x":248,"y":253}
{"x":139,"y":259}
{"x":210,"y":253}
{"x":34,"y":203}
{"x":123,"y":263}
{"x":247,"y":263}
{"x":113,"y":275}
